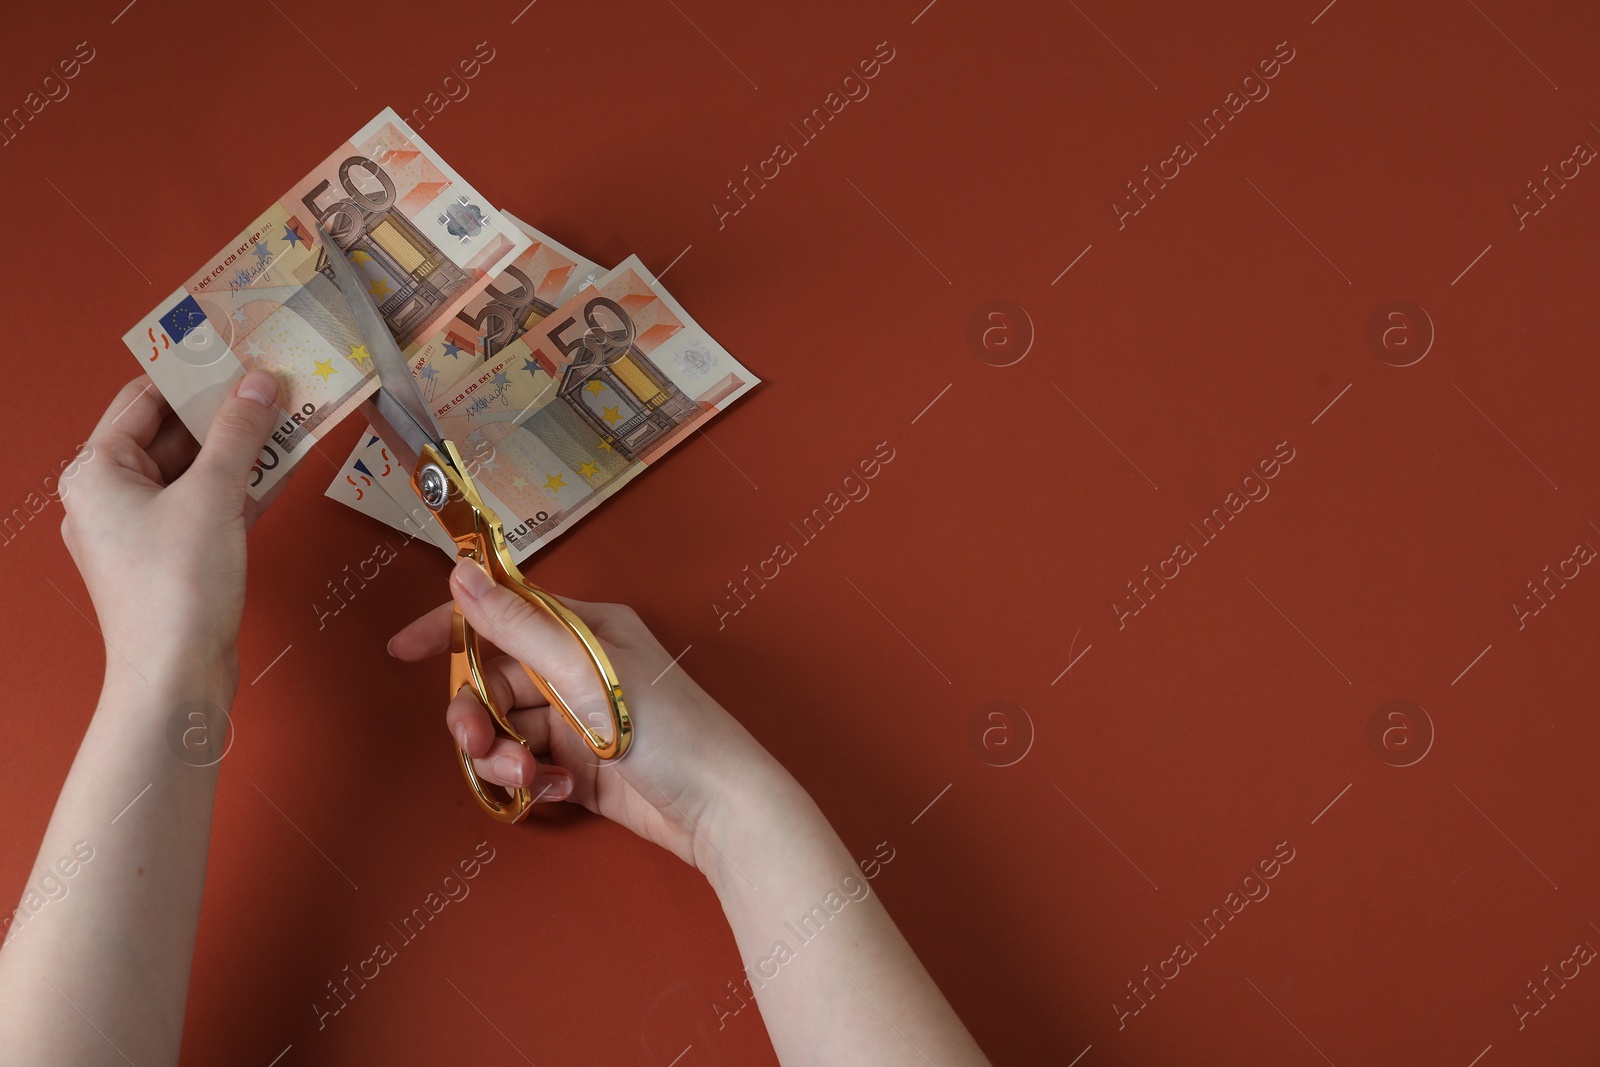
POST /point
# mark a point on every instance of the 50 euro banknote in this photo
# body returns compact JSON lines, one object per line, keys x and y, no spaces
{"x":543,"y":276}
{"x":425,"y":241}
{"x":569,"y":411}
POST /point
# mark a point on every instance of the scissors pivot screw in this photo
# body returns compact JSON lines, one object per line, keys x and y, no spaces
{"x":435,"y":488}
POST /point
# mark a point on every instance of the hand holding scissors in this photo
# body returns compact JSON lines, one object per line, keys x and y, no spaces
{"x":444,"y":484}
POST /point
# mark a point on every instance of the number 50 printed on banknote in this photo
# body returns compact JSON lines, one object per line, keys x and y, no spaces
{"x":423,"y":239}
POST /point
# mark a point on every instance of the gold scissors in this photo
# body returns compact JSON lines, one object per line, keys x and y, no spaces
{"x":441,"y":480}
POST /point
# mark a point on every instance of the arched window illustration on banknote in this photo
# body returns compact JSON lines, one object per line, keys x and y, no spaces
{"x":556,"y":427}
{"x":611,"y":385}
{"x":410,"y":277}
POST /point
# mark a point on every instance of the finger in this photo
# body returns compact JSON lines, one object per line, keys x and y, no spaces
{"x":173,"y":448}
{"x":534,"y":726}
{"x":469,"y":723}
{"x":474,"y":729}
{"x":541,"y":642}
{"x":134,"y":416}
{"x":512,"y":623}
{"x":425,"y":637}
{"x":508,"y":672}
{"x":501,"y":759}
{"x":429,"y":635}
{"x":514,"y":767}
{"x":238,"y":430}
{"x":507,"y":763}
{"x":597,"y":616}
{"x":552,"y":784}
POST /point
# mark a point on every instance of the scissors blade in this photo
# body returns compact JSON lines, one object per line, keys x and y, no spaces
{"x":398,"y":408}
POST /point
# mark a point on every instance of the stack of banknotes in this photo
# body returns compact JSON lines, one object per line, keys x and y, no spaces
{"x":492,"y":315}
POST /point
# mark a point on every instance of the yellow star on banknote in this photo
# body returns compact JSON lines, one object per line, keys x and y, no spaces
{"x":379,"y":288}
{"x":589,"y":470}
{"x":555,"y":481}
{"x":595,"y":386}
{"x":610,"y":415}
{"x":359,"y":257}
{"x":603,"y":443}
{"x":519,"y":482}
{"x":325,"y":369}
{"x":359,"y":353}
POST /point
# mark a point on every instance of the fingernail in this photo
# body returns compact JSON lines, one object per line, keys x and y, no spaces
{"x":508,"y":770}
{"x":461,"y":736}
{"x":473,"y":579}
{"x":389,"y":647}
{"x":558,"y":787}
{"x":258,"y":386}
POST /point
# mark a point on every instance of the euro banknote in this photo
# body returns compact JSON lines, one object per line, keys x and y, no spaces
{"x":425,"y":240}
{"x":542,"y":277}
{"x":569,"y":411}
{"x":365,"y":484}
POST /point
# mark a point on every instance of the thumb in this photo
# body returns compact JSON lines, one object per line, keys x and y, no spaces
{"x":239,"y":429}
{"x":519,"y":628}
{"x":542,"y":644}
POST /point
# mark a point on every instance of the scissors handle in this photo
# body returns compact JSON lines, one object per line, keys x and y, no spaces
{"x":479,"y":536}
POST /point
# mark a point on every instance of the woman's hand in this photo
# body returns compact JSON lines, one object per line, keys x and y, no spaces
{"x":156,"y":524}
{"x":690,"y":762}
{"x":696,"y":783}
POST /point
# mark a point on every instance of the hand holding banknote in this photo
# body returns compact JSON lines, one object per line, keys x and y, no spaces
{"x":422,"y":239}
{"x":564,"y":380}
{"x":169,"y":588}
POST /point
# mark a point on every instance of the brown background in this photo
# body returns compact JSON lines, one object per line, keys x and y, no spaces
{"x":1178,"y":751}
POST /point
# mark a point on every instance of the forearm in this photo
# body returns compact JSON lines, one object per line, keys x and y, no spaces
{"x":835,"y":979}
{"x":95,"y":967}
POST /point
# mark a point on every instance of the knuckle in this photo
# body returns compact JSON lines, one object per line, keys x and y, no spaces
{"x":627,"y":629}
{"x":464,"y":704}
{"x":121,"y":452}
{"x":623,"y":615}
{"x":499,"y":691}
{"x":508,"y":606}
{"x":135,"y":386}
{"x":510,"y":614}
{"x":128,"y":394}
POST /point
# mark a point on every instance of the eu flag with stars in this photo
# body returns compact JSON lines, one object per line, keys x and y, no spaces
{"x":184,"y":317}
